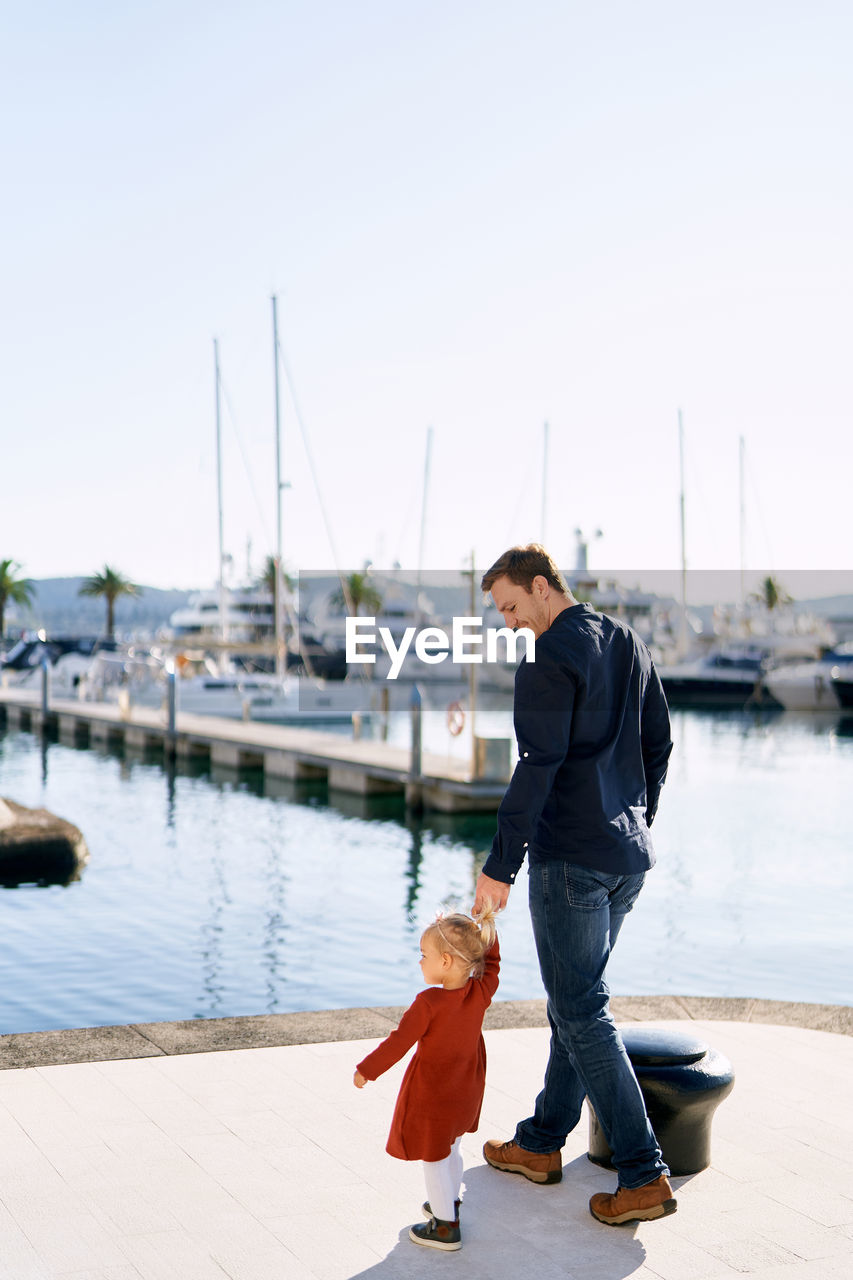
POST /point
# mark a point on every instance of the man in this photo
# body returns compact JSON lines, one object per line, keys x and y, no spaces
{"x":594,"y":739}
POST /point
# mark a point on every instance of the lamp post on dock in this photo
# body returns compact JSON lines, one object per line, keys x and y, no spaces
{"x":171,"y":706}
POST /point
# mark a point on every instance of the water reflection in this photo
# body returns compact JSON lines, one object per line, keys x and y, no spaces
{"x":274,"y":929}
{"x":844,"y":727}
{"x":38,"y":873}
{"x":228,"y":778}
{"x":170,"y":771}
{"x":211,"y":940}
{"x":217,"y":891}
{"x":295,"y":790}
{"x":416,"y":855}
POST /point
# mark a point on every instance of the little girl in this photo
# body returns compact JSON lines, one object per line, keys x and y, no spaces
{"x":442,"y":1090}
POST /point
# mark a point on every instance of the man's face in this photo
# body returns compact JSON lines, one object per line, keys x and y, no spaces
{"x":523,"y":608}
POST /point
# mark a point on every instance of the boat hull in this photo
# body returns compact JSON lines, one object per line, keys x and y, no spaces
{"x":843,"y":686}
{"x":715,"y":693}
{"x":809,"y":691}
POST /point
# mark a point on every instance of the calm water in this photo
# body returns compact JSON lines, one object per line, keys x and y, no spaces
{"x":210,"y":893}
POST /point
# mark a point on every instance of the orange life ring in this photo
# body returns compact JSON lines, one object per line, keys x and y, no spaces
{"x":456,"y":718}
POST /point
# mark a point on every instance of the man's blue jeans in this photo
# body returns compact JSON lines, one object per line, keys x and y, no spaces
{"x":577,"y":914}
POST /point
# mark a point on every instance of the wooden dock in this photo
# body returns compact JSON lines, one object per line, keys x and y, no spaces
{"x":361,"y":767}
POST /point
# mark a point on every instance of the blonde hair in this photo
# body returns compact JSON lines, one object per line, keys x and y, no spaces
{"x":466,"y":937}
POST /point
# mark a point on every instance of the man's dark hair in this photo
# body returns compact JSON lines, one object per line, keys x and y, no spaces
{"x":521,"y":565}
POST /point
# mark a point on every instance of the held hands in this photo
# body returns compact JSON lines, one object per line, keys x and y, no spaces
{"x":490,"y":892}
{"x":359,"y":1080}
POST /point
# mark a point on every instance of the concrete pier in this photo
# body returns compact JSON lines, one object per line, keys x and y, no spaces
{"x":361,"y":768}
{"x":238,"y":1148}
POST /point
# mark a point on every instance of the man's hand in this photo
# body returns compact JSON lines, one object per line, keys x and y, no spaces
{"x":358,"y":1080}
{"x":488,"y":890}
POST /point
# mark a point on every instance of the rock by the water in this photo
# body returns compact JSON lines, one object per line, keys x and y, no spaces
{"x":37,"y":845}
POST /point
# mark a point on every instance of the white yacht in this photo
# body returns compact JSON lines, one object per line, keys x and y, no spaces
{"x":404,"y":608}
{"x":810,"y":686}
{"x":249,"y":616}
{"x":730,"y":676}
{"x":204,"y":687}
{"x":67,"y":659}
{"x":842,"y":682}
{"x":295,"y":700}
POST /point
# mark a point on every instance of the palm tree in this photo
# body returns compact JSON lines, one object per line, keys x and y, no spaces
{"x":110,"y":584}
{"x":14,"y":589}
{"x":356,"y":591}
{"x":772,"y":593}
{"x":267,"y":579}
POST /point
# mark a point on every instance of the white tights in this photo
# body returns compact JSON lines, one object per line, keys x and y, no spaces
{"x":444,"y":1182}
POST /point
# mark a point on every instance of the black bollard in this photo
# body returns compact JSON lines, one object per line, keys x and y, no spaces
{"x":683,"y":1082}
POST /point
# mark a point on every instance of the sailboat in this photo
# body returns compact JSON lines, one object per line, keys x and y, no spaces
{"x":222,"y":688}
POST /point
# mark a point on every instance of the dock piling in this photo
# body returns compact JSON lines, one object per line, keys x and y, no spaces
{"x":362,"y":768}
{"x":45,"y":688}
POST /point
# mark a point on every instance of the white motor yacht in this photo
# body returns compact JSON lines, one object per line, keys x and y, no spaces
{"x":142,"y":680}
{"x":293,"y":700}
{"x":842,"y":683}
{"x":730,"y":676}
{"x":809,"y":686}
{"x":67,"y":659}
{"x":248,"y":615}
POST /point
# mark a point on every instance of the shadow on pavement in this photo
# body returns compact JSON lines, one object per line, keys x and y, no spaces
{"x":513,"y":1229}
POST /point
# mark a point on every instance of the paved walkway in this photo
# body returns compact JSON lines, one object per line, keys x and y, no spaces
{"x":266,"y":1164}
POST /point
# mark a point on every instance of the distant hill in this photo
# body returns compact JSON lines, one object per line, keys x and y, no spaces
{"x":59,"y":609}
{"x":831,"y":606}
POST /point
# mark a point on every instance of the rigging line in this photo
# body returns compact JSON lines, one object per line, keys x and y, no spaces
{"x":314,"y":476}
{"x":411,"y":507}
{"x":229,"y":406}
{"x":522,"y":495}
{"x":756,"y":495}
{"x":695,"y":475}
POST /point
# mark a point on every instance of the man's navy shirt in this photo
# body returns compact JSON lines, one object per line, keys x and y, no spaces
{"x":593,"y":743}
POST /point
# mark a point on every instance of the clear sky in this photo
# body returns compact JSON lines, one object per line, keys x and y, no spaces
{"x":478,"y":216}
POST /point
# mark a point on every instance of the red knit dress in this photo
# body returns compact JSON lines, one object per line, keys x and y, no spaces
{"x":442,"y":1089}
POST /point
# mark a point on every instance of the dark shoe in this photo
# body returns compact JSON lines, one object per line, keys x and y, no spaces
{"x":538,"y":1166}
{"x":427,"y":1211}
{"x":637,"y":1204}
{"x":437,"y":1234}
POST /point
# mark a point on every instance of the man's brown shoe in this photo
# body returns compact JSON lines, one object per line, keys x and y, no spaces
{"x":637,"y":1204}
{"x":538,"y":1166}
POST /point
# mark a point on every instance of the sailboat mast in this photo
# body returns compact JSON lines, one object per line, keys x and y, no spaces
{"x":683,"y":628}
{"x":278,"y":602}
{"x":223,"y":602}
{"x":423,"y":521}
{"x":741,"y":485}
{"x":472,"y":674}
{"x":545,"y":487}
